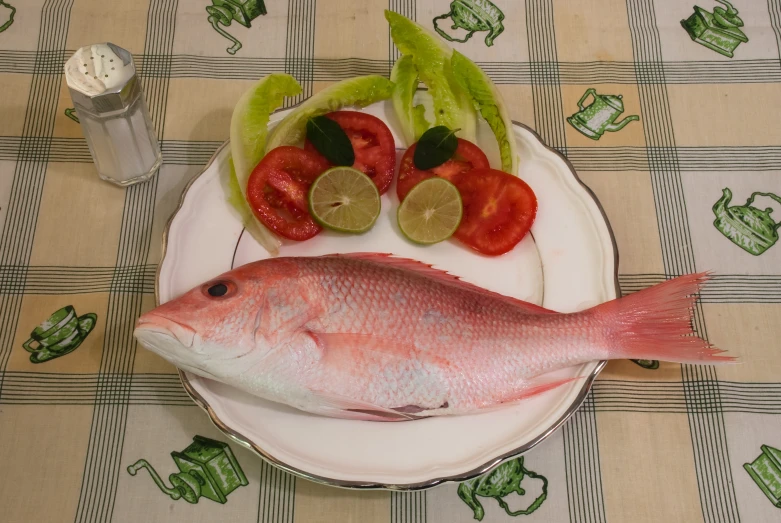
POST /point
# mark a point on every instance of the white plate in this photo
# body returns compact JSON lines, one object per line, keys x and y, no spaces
{"x":569,"y":264}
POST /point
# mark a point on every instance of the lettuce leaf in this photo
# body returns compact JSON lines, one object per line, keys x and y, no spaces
{"x":488,"y":101}
{"x":248,"y":131}
{"x":431,"y":57}
{"x":412,"y":118}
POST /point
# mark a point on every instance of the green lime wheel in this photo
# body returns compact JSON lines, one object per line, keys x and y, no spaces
{"x":431,"y":212}
{"x":345,"y":200}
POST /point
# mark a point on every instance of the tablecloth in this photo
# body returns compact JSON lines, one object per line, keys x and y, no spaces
{"x":668,"y":110}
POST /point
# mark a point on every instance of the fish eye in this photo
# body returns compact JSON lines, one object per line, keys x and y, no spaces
{"x":219,"y":289}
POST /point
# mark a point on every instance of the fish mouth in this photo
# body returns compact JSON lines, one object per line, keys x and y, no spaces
{"x":155,"y":323}
{"x":173,"y":341}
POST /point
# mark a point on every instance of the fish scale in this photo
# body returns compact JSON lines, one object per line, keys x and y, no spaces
{"x":377,"y":337}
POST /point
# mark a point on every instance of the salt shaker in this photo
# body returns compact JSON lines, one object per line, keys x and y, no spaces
{"x":113,"y":114}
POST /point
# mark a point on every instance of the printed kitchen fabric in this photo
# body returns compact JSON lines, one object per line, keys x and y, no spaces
{"x":666,"y":109}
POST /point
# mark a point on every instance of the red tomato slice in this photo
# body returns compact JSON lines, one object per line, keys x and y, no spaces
{"x":375,"y":150}
{"x":468,"y":156}
{"x":277,"y":189}
{"x":499,"y":210}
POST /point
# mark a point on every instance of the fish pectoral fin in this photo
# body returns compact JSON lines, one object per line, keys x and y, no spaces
{"x":339,"y":406}
{"x":338,"y":345}
{"x":272,"y":330}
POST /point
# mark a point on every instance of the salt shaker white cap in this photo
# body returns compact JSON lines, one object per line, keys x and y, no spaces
{"x":102,"y":77}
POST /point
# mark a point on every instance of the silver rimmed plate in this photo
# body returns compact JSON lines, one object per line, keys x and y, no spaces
{"x":568,"y":263}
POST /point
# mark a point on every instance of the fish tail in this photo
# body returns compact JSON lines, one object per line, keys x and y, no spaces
{"x":656,"y":324}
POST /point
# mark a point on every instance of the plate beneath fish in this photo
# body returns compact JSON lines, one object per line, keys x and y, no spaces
{"x":568,"y":263}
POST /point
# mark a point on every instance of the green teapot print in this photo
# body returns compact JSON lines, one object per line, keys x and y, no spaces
{"x":502,"y":481}
{"x":748,"y":227}
{"x":600,"y":115}
{"x":473,"y":16}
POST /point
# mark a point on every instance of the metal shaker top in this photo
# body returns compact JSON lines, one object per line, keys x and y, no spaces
{"x":102,"y":78}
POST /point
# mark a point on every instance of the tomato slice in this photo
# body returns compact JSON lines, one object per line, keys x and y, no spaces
{"x":277,"y":189}
{"x":468,"y":156}
{"x":499,"y":210}
{"x":375,"y":150}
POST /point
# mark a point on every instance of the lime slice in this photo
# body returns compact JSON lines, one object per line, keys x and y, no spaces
{"x":344,"y":199}
{"x":431,"y":212}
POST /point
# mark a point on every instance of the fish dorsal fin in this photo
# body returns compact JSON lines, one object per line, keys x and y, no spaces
{"x":439,"y":275}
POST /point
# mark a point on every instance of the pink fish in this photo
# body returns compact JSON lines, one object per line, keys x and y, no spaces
{"x":375,"y":337}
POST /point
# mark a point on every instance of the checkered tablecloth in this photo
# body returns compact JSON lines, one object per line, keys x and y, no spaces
{"x":652,"y":443}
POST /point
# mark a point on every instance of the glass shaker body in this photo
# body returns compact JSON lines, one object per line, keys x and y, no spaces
{"x":113,"y":114}
{"x":122,"y":143}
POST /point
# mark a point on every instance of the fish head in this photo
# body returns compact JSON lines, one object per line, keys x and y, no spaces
{"x":207,"y":329}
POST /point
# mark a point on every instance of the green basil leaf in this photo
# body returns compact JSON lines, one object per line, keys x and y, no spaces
{"x":330,"y":140}
{"x":435,"y":147}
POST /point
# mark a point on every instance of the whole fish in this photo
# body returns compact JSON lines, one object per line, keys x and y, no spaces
{"x":375,"y":337}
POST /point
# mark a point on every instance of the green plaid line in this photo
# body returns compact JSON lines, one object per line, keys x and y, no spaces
{"x":581,"y":445}
{"x":300,"y":46}
{"x":722,"y":158}
{"x":52,"y":280}
{"x":12,"y":279}
{"x":30,"y":172}
{"x":276,"y":502}
{"x":334,"y":69}
{"x":694,"y":72}
{"x":32,"y":388}
{"x":99,"y":483}
{"x":671,"y":398}
{"x":548,"y":105}
{"x":9,"y":147}
{"x":408,"y":507}
{"x":717,"y":495}
{"x":155,"y":66}
{"x":544,"y":73}
{"x":774,"y":10}
{"x":180,"y":152}
{"x":19,"y":62}
{"x":649,"y":73}
{"x":34,"y":148}
{"x":584,"y":477}
{"x":75,"y":150}
{"x":229,"y":67}
{"x":602,"y":159}
{"x":41,"y":62}
{"x":406,"y":8}
{"x":668,"y":192}
{"x":661,"y":159}
{"x":619,"y":158}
